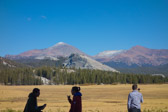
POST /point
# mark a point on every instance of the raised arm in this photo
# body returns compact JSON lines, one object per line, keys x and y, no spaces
{"x":69,"y":99}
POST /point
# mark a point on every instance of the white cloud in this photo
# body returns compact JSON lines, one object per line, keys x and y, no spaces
{"x":44,"y":17}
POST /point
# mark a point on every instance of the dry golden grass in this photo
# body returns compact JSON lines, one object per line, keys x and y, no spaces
{"x":104,"y":98}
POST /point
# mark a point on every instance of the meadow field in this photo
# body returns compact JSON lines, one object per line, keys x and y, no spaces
{"x":96,"y":98}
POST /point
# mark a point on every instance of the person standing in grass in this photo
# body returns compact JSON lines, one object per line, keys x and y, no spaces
{"x":135,"y":99}
{"x":76,"y":102}
{"x":31,"y":105}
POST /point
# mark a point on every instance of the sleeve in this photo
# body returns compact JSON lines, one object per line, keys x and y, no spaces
{"x":72,"y":105}
{"x":39,"y":108}
{"x":142,"y":99}
{"x":129,"y":102}
{"x":33,"y":106}
{"x":70,"y":101}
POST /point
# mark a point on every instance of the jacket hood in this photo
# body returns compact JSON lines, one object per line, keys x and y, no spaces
{"x":31,"y":95}
{"x":78,"y":94}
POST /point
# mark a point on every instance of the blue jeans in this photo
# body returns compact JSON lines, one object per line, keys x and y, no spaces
{"x":134,"y":110}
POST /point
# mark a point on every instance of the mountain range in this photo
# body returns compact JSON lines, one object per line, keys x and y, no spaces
{"x":70,"y":56}
{"x":138,"y":57}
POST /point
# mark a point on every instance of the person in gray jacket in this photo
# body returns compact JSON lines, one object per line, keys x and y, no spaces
{"x":31,"y":105}
{"x":135,"y":99}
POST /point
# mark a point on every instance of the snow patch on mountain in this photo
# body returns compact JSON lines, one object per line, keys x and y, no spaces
{"x":47,"y":57}
{"x":59,"y":44}
{"x":109,"y":53}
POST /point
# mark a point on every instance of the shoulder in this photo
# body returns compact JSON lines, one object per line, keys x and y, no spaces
{"x":140,"y":93}
{"x":130,"y":93}
{"x":134,"y":93}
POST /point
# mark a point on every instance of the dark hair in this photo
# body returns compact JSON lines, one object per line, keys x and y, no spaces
{"x":75,"y":88}
{"x":134,"y":87}
{"x":36,"y":90}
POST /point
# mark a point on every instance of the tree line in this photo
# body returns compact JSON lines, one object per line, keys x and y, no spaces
{"x":18,"y":76}
{"x":64,"y":76}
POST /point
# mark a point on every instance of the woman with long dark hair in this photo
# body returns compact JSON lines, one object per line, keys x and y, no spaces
{"x":76,"y":102}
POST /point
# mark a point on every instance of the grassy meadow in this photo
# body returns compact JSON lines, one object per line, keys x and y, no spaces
{"x":96,"y":98}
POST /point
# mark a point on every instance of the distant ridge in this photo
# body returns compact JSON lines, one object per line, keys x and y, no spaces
{"x":138,"y":55}
{"x":6,"y":63}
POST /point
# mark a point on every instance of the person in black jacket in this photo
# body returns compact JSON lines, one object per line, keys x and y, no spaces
{"x":31,"y":105}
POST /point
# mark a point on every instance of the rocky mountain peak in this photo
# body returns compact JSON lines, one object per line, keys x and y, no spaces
{"x":139,"y":48}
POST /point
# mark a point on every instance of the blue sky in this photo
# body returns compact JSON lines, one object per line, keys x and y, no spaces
{"x":90,"y":25}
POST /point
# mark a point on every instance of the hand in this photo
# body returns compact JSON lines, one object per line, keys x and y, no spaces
{"x":69,"y":97}
{"x":44,"y":106}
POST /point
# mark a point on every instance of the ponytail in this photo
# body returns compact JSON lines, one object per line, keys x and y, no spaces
{"x":75,"y":88}
{"x":79,"y":89}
